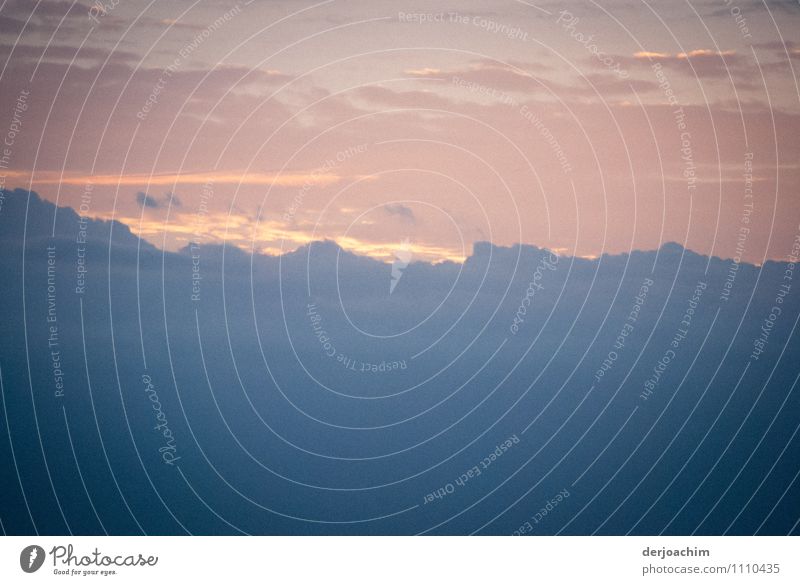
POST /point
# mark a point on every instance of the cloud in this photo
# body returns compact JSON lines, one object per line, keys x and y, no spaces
{"x":698,"y":53}
{"x":651,"y":55}
{"x":399,"y":210}
{"x":424,"y":72}
{"x":783,"y":51}
{"x":608,"y":84}
{"x":749,"y":7}
{"x":500,"y":80}
{"x":145,"y":200}
{"x":198,"y":178}
{"x":65,"y":53}
{"x":698,"y":62}
{"x":485,"y":72}
{"x":173,"y":23}
{"x":48,"y":17}
{"x":383,"y":96}
{"x":55,"y":9}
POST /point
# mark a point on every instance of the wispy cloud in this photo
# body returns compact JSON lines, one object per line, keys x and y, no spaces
{"x":273,"y":237}
{"x":700,"y":62}
{"x":194,"y":178}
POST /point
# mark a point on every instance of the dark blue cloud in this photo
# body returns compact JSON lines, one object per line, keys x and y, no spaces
{"x":505,"y":381}
{"x":145,"y":200}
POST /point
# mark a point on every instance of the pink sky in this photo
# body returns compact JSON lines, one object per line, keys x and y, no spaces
{"x":610,"y":127}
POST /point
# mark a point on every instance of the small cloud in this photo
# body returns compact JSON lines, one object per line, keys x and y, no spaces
{"x":705,"y":53}
{"x":694,"y":53}
{"x":700,"y":62}
{"x":650,"y":55}
{"x":424,"y":72}
{"x":171,"y":22}
{"x":144,"y":200}
{"x":400,"y":211}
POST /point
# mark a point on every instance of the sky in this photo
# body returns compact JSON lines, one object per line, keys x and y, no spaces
{"x":582,"y":127}
{"x":310,"y":390}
